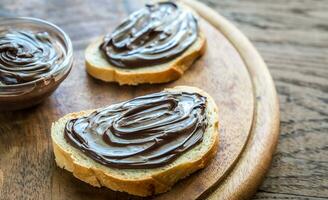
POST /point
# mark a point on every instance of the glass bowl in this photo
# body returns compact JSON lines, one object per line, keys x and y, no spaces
{"x":27,"y":94}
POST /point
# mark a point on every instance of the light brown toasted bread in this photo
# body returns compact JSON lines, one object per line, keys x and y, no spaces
{"x":98,"y":67}
{"x":141,"y":182}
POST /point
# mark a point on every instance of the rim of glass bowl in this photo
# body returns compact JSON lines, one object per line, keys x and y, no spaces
{"x":65,"y":66}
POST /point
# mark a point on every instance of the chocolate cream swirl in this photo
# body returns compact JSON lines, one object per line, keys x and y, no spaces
{"x":145,"y":132}
{"x":153,"y":35}
{"x":27,"y":56}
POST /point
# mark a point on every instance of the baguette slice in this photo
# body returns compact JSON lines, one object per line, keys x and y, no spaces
{"x":140,"y":182}
{"x":98,"y":67}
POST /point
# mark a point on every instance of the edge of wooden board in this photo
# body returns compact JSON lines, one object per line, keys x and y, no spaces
{"x":249,"y":171}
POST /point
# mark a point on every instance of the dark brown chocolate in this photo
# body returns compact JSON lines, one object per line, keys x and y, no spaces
{"x":153,"y":35}
{"x":27,"y":56}
{"x":144,"y":132}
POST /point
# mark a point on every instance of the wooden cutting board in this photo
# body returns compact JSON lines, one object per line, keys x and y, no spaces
{"x":231,"y":71}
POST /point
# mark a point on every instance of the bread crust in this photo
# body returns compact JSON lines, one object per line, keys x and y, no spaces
{"x":167,"y":72}
{"x":149,"y":185}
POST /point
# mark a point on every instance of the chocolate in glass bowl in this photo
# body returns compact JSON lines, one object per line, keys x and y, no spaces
{"x":35,"y":57}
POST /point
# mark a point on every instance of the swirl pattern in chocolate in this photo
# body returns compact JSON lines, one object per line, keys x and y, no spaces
{"x":153,"y":35}
{"x":145,"y":132}
{"x":27,"y":56}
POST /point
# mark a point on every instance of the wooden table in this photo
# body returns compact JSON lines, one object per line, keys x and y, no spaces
{"x":292,"y":37}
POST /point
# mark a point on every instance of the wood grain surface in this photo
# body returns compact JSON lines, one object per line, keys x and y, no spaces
{"x":27,"y":161}
{"x":246,"y":176}
{"x":291,"y":35}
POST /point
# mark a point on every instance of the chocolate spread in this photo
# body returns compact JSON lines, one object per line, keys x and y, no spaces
{"x":27,"y":56}
{"x":153,"y":35}
{"x":144,"y":132}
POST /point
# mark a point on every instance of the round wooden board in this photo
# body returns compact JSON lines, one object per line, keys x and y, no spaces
{"x":231,"y":71}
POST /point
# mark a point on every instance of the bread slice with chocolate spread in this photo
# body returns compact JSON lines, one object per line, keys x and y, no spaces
{"x":99,"y":66}
{"x":138,"y":181}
